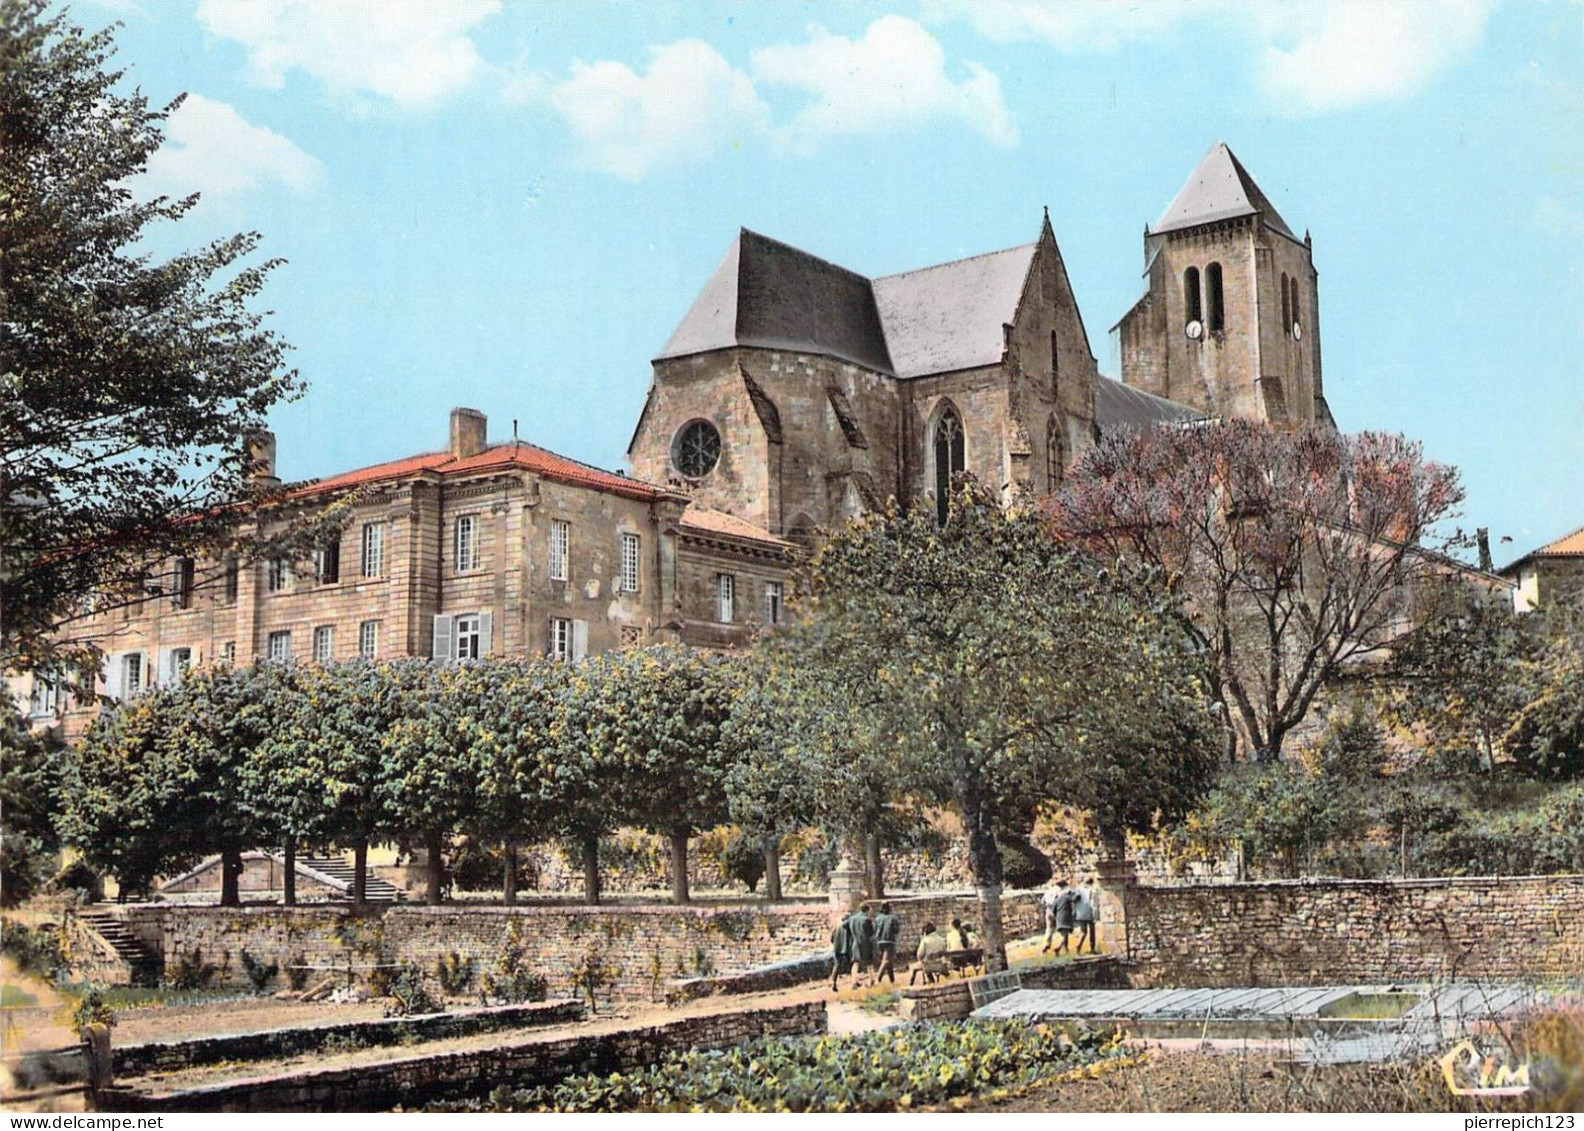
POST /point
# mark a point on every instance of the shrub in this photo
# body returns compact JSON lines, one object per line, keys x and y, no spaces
{"x":297,"y":972}
{"x":191,"y":972}
{"x":91,"y":1009}
{"x":259,"y":975}
{"x":36,"y":951}
{"x":743,"y":860}
{"x":454,"y":973}
{"x":890,"y":1070}
{"x":512,"y":981}
{"x":408,"y":993}
{"x":592,"y":974}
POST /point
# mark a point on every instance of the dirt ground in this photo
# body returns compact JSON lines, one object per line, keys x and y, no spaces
{"x":1253,"y":1081}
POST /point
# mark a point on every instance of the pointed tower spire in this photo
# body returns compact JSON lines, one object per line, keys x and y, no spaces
{"x":1219,"y":189}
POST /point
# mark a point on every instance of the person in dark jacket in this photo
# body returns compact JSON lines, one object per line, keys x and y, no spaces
{"x":861,"y":928}
{"x":841,"y":951}
{"x":1065,"y":907}
{"x":888,"y":932}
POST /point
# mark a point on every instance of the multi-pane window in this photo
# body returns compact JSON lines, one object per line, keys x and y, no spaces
{"x":373,"y":564}
{"x":950,"y":459}
{"x":725,"y":598}
{"x":560,"y":638}
{"x":228,"y":653}
{"x":464,"y":543}
{"x":277,"y":575}
{"x":132,"y":674}
{"x":324,"y":643}
{"x":179,"y":663}
{"x":280,"y":647}
{"x":327,"y":563}
{"x":232,"y":580}
{"x":560,"y":546}
{"x":182,"y":583}
{"x":46,"y":696}
{"x":368,"y":639}
{"x":468,"y":638}
{"x":629,"y":563}
{"x":773,"y":596}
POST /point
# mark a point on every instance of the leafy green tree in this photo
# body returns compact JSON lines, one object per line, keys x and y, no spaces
{"x":998,"y":668}
{"x":1293,"y":551}
{"x":30,"y":769}
{"x":1546,"y":738}
{"x":655,"y":716}
{"x":129,"y":380}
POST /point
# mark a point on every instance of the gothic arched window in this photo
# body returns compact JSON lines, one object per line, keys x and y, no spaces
{"x":1055,"y":454}
{"x":948,"y":451}
{"x":1217,"y":319}
{"x":1295,"y":317}
{"x":1191,"y":295}
{"x":1286,"y":305}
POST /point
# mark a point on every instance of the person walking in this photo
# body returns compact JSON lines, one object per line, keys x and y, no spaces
{"x":861,"y":927}
{"x":1048,"y":913}
{"x":888,"y":932}
{"x":1064,"y":916}
{"x":841,"y":952}
{"x":1086,"y":913}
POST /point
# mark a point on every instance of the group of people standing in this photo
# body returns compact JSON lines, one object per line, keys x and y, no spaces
{"x":1071,"y":907}
{"x":865,"y":943}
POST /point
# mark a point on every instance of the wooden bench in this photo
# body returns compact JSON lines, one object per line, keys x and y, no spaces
{"x":969,"y":959}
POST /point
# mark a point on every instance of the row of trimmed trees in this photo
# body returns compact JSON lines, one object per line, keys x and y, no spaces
{"x":977,"y":667}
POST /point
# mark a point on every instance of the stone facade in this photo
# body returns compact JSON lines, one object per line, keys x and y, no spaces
{"x":1327,"y":932}
{"x":454,"y":546}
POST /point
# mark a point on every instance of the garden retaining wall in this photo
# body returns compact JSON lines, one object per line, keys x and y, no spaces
{"x":1320,"y":932}
{"x":413,"y":1081}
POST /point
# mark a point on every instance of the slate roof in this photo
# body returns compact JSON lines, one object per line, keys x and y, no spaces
{"x":500,"y":457}
{"x":768,"y":294}
{"x":948,"y":317}
{"x":1219,"y":189}
{"x":1567,"y":546}
{"x":1118,"y":406}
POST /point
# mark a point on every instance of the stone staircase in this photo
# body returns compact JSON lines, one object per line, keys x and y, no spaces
{"x":146,"y":966}
{"x":338,"y":871}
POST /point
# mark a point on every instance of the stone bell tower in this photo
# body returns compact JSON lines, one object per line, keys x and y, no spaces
{"x":1230,"y":323}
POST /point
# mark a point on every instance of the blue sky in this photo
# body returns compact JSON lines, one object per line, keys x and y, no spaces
{"x":510,"y":206}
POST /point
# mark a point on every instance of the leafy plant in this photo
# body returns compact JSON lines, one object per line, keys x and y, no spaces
{"x":408,"y":993}
{"x":512,"y":981}
{"x":91,"y":1009}
{"x":35,"y":950}
{"x":592,"y":974}
{"x":191,"y":972}
{"x":297,"y":972}
{"x":454,"y":973}
{"x":259,"y":975}
{"x":743,"y":860}
{"x":890,"y":1070}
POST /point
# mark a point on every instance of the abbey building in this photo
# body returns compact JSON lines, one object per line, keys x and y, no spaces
{"x":793,"y":395}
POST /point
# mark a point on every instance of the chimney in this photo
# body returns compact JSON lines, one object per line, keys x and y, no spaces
{"x":1482,"y":536}
{"x":261,"y":454}
{"x":468,"y":427}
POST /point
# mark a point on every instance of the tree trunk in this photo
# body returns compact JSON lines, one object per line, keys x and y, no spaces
{"x":360,"y":872}
{"x":591,"y":869}
{"x":772,"y":859}
{"x":230,"y":874}
{"x":289,"y":879}
{"x":874,"y":866}
{"x":434,"y":869}
{"x":509,"y":880}
{"x":679,"y":860}
{"x":984,"y":860}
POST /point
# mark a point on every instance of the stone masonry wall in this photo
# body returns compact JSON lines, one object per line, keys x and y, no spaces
{"x":413,"y":1081}
{"x":644,"y":947}
{"x":1327,"y":931}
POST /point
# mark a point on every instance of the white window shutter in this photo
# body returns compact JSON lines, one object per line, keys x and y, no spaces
{"x":485,"y":625}
{"x":444,"y":639}
{"x":579,"y":639}
{"x":113,"y":675}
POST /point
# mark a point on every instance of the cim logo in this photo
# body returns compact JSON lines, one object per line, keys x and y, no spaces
{"x":1471,"y":1072}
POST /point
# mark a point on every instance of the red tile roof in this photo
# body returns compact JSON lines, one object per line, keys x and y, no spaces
{"x":1567,"y":546}
{"x":500,"y":457}
{"x":705,"y":520}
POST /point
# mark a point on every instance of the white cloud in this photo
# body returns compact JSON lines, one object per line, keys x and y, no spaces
{"x":1351,"y":52}
{"x":893,"y":77}
{"x":211,"y":149}
{"x":1306,"y":58}
{"x":688,"y":103}
{"x":413,"y":52}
